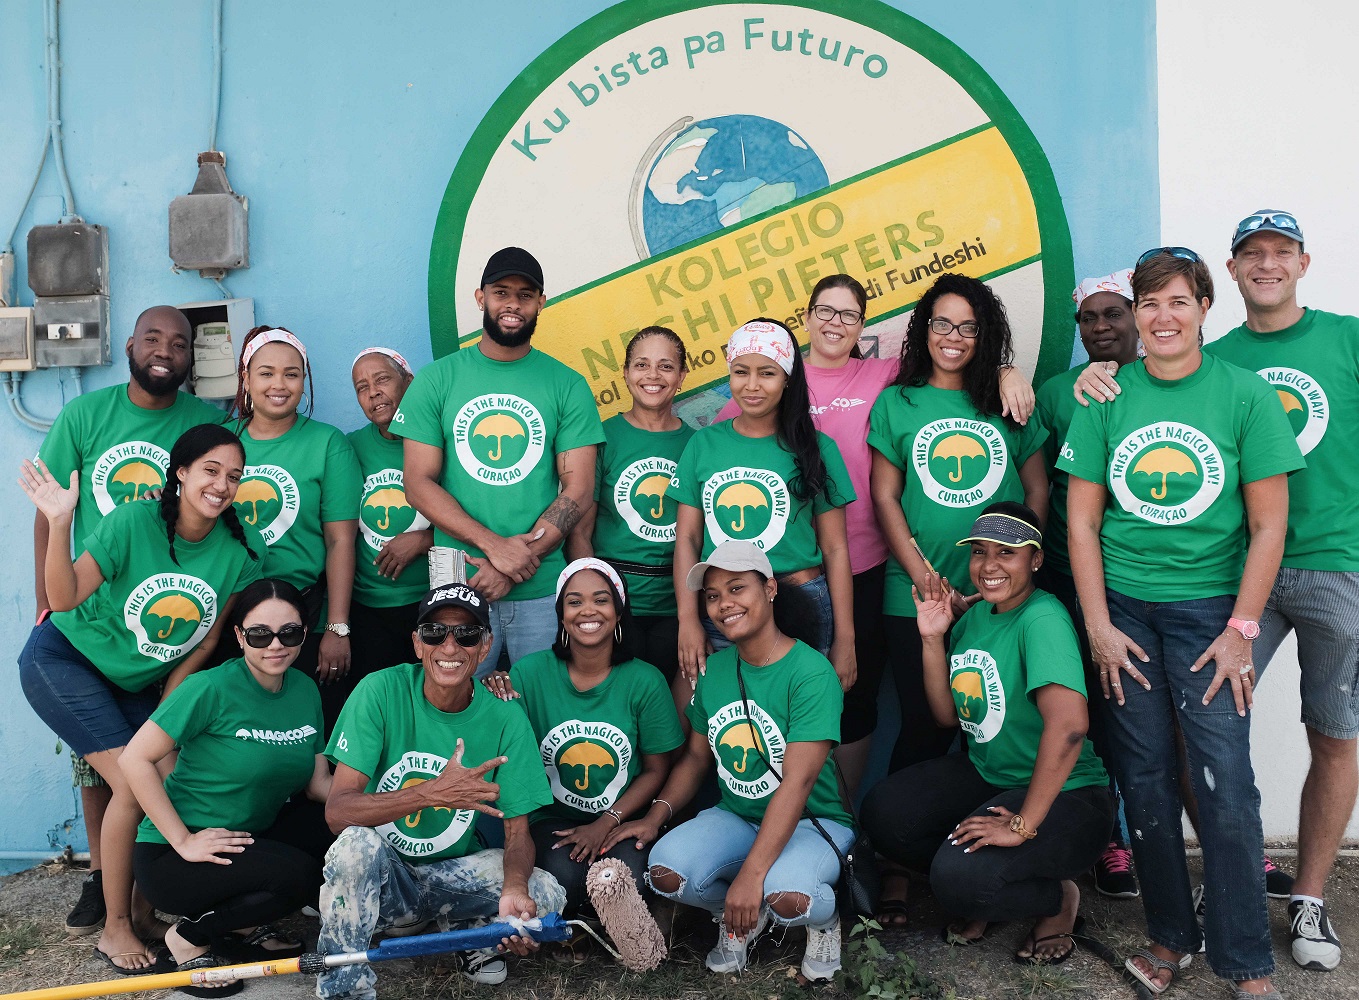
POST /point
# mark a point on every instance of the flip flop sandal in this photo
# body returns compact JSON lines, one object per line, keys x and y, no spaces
{"x":1157,"y":965}
{"x":108,"y":960}
{"x":955,"y":939}
{"x":254,"y":945}
{"x":1247,"y":995}
{"x":891,"y":913}
{"x":208,"y":961}
{"x":1033,"y":959}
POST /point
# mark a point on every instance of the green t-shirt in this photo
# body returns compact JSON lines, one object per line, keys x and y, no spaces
{"x":384,"y":513}
{"x":956,"y":463}
{"x":742,"y":486}
{"x":592,"y":741}
{"x":795,"y":699}
{"x":996,"y":664}
{"x":149,"y":613}
{"x":292,"y":485}
{"x":1056,"y":407}
{"x":500,"y":425}
{"x":388,"y":731}
{"x":121,"y":450}
{"x":242,"y":750}
{"x":1174,"y":455}
{"x":1313,"y":366}
{"x":636,"y":519}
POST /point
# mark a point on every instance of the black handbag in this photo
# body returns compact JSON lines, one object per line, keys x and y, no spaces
{"x":859,"y":885}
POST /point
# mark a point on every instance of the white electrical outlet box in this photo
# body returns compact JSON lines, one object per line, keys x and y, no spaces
{"x":16,"y":340}
{"x":219,"y":329}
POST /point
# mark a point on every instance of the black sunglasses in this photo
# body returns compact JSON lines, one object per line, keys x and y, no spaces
{"x":434,"y":633}
{"x":261,"y":636}
{"x":1184,"y":253}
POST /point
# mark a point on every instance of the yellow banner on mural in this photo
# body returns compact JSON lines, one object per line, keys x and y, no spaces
{"x":962,"y":206}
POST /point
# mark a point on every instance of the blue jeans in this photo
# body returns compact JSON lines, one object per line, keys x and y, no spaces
{"x":708,"y":851}
{"x":1217,"y":744}
{"x":520,"y":628}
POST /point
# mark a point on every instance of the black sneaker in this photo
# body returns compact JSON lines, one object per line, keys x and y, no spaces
{"x":88,"y":915}
{"x":1201,"y":915}
{"x":1114,"y":873}
{"x":1315,"y":945}
{"x":1278,"y":883}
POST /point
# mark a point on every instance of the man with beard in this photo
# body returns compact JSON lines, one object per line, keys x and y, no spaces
{"x":500,"y":457}
{"x":118,"y":440}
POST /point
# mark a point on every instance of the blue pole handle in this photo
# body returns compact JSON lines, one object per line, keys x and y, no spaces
{"x":547,"y":928}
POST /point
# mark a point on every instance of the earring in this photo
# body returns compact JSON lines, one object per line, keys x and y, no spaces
{"x":618,"y":632}
{"x":564,"y":638}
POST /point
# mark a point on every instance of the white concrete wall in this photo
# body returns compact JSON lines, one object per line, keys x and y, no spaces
{"x":1257,"y":111}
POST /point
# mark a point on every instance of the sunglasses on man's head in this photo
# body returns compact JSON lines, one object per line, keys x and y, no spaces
{"x":262,"y":636}
{"x":1184,"y":253}
{"x":1280,"y":220}
{"x":434,"y":633}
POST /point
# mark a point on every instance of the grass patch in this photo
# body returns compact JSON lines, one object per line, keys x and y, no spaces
{"x":19,"y":940}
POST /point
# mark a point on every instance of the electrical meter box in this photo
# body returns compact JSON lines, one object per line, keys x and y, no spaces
{"x":16,"y":340}
{"x":71,"y":330}
{"x":219,"y":328}
{"x":68,"y":259}
{"x":209,"y":229}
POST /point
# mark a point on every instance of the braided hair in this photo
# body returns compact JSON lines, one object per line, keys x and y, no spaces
{"x":242,"y":408}
{"x":192,"y":445}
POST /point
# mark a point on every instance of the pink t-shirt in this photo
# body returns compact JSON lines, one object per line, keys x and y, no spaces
{"x":841,"y":401}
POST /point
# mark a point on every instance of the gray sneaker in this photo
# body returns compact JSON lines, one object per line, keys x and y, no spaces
{"x":821,"y":959}
{"x":1315,"y":945}
{"x":730,"y":954}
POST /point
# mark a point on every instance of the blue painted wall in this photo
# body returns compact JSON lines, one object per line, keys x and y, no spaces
{"x":342,"y":122}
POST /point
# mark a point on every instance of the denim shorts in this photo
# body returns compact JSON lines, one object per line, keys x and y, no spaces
{"x":83,"y":707}
{"x":1323,"y":607}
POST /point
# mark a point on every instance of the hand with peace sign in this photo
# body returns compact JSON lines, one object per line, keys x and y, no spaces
{"x":48,"y":495}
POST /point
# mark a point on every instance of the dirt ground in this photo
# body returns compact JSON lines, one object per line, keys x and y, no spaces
{"x":35,"y":953}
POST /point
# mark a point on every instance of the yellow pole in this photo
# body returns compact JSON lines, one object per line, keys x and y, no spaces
{"x":163,"y":981}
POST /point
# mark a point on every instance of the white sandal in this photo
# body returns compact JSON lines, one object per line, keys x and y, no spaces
{"x":1157,"y":964}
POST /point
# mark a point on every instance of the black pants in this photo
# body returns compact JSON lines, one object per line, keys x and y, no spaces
{"x":910,"y":814}
{"x":277,"y":874}
{"x":378,"y":638}
{"x":921,"y":738}
{"x":860,"y":716}
{"x":656,"y":641}
{"x":571,"y":874}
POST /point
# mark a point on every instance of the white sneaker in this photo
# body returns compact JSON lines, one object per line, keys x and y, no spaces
{"x":1315,"y":945}
{"x":821,"y":959}
{"x":731,"y":953}
{"x":485,"y":967}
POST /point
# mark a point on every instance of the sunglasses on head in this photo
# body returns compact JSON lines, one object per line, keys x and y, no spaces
{"x":434,"y":633}
{"x":1184,"y":253}
{"x":1279,"y":220}
{"x":262,"y":636}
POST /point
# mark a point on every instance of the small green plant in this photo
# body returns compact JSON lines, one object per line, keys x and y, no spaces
{"x":18,"y":940}
{"x":870,"y":970}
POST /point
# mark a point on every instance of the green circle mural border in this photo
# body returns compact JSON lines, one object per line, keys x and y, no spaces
{"x":1055,"y":253}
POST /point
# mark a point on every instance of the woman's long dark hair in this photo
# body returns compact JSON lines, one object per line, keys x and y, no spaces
{"x":994,"y":348}
{"x":192,"y":445}
{"x":622,"y":647}
{"x":267,"y":590}
{"x":796,"y":432}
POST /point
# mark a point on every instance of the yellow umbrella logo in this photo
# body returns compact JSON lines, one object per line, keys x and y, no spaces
{"x":956,"y":447}
{"x":1290,"y":401}
{"x":1165,"y":461}
{"x":741,"y":496}
{"x":743,"y":738}
{"x":177,"y":608}
{"x":413,"y":820}
{"x":498,"y":426}
{"x":388,"y":499}
{"x":967,"y":688}
{"x":255,"y":492}
{"x":655,"y":486}
{"x":586,"y":755}
{"x":140,"y":476}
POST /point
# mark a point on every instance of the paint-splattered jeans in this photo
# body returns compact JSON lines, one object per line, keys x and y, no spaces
{"x":370,"y":887}
{"x":1217,"y":741}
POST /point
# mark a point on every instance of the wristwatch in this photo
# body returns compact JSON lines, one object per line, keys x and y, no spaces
{"x":339,"y":628}
{"x":1017,"y":826}
{"x":1248,"y":629}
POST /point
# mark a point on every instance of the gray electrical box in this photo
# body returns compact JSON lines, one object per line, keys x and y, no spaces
{"x":16,"y":339}
{"x":71,"y":330}
{"x":68,"y":259}
{"x":209,"y":229}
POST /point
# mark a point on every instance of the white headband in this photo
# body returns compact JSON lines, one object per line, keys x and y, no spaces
{"x":599,"y":566}
{"x":1120,"y":283}
{"x":272,"y":337}
{"x":767,"y":339}
{"x":386,"y":351}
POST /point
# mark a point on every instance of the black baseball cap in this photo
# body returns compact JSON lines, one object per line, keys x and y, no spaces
{"x":513,"y":260}
{"x":455,"y":595}
{"x":1006,"y":523}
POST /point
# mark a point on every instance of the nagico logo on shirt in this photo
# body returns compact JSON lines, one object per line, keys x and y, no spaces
{"x":586,"y":764}
{"x":639,"y":498}
{"x":741,"y":745}
{"x":424,"y":832}
{"x":746,"y":504}
{"x":1166,"y":473}
{"x":278,"y":737}
{"x":384,"y":511}
{"x":170,"y":613}
{"x":269,"y":499}
{"x":1304,"y":402}
{"x":127,"y":472}
{"x":978,"y":694}
{"x":960,"y":462}
{"x":499,"y":438}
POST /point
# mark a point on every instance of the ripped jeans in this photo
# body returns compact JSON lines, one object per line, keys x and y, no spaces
{"x":707,"y":853}
{"x":370,"y":887}
{"x":1141,"y":736}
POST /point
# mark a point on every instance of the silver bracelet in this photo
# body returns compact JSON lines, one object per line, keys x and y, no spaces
{"x":668,"y":806}
{"x":618,"y":817}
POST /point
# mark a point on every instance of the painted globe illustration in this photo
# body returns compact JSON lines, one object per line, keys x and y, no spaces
{"x":721,"y":171}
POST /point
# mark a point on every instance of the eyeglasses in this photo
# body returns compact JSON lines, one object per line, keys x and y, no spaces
{"x":262,"y":636}
{"x":1279,"y":220}
{"x":943,"y":327}
{"x":1184,"y":253}
{"x":434,"y":633}
{"x":848,"y":317}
